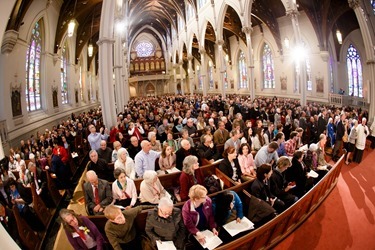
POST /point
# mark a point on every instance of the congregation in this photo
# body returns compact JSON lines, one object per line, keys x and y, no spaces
{"x":256,"y":143}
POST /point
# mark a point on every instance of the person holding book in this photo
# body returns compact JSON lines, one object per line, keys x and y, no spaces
{"x":167,"y":160}
{"x":123,"y":189}
{"x":227,"y":206}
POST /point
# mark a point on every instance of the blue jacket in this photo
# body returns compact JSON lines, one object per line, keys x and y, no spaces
{"x":237,"y":206}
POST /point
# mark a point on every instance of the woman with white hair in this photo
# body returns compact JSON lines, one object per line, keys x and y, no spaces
{"x":155,"y":144}
{"x":125,"y":162}
{"x":19,"y":162}
{"x":164,"y":223}
{"x":151,"y":190}
{"x":351,"y":140}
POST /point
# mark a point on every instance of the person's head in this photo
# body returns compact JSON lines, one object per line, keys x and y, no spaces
{"x":122,"y":154}
{"x":313,"y":147}
{"x":184,"y":133}
{"x":300,"y":132}
{"x":70,"y":219}
{"x":355,"y":122}
{"x":190,"y":164}
{"x":151,"y":136}
{"x":230,"y":153}
{"x":92,"y":128}
{"x":150,"y":176}
{"x":207,"y":140}
{"x":92,"y":177}
{"x":93,"y":155}
{"x":103,"y":144}
{"x":322,"y":139}
{"x":31,"y":167}
{"x":264,"y":172}
{"x":167,"y":150}
{"x":272,"y":147}
{"x":236,"y":134}
{"x":221,"y":125}
{"x":364,"y":120}
{"x":280,"y":137}
{"x":114,"y":214}
{"x":165,"y":207}
{"x":198,"y":194}
{"x":170,"y":135}
{"x":116,"y":145}
{"x":32,"y":157}
{"x":18,"y":157}
{"x":283,"y":163}
{"x":12,"y":184}
{"x":185,"y":144}
{"x":293,"y":135}
{"x":190,"y":122}
{"x":298,"y":155}
{"x":146,"y":146}
{"x":259,"y":132}
{"x":119,"y":174}
{"x":245,"y":149}
{"x":134,"y":141}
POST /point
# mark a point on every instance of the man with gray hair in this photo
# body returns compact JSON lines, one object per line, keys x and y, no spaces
{"x":173,"y":228}
{"x":99,"y":166}
{"x":184,"y":151}
{"x":145,"y":159}
{"x":105,"y":152}
{"x":98,"y":194}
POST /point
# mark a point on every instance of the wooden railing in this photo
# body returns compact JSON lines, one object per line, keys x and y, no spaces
{"x":277,"y":229}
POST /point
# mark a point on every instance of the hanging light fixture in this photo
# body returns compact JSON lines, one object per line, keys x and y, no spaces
{"x":90,"y":49}
{"x":339,"y":36}
{"x":72,"y":23}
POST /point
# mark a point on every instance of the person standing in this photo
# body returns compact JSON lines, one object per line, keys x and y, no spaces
{"x":362,"y":133}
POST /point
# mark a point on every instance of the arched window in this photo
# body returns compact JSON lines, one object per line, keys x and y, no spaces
{"x":268,"y":68}
{"x":373,"y":5}
{"x":242,"y":81}
{"x":200,"y":78}
{"x":201,"y":3}
{"x":144,"y":49}
{"x":64,"y":71}
{"x":189,"y":11}
{"x":210,"y":74}
{"x":354,"y":66}
{"x":225,"y":80}
{"x":33,"y":100}
{"x":331,"y":74}
{"x":80,"y":82}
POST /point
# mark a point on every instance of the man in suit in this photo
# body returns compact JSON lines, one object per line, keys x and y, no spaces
{"x":184,"y":151}
{"x":105,"y":152}
{"x":221,"y":135}
{"x":207,"y":150}
{"x":100,"y":166}
{"x":98,"y":193}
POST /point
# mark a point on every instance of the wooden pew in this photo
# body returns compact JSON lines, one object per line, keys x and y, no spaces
{"x":52,"y":189}
{"x":29,"y":238}
{"x":40,"y":208}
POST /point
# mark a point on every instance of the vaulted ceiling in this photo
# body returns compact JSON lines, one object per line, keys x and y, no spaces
{"x":325,"y":15}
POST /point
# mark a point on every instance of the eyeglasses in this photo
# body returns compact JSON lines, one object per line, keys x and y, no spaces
{"x":165,"y":213}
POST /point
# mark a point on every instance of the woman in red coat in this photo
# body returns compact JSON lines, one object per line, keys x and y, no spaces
{"x":190,"y":176}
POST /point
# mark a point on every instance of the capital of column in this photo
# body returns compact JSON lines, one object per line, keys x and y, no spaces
{"x":180,"y":63}
{"x":353,"y":4}
{"x":190,"y":57}
{"x":247,"y":30}
{"x":117,"y":66}
{"x":104,"y":40}
{"x":202,"y":51}
{"x":220,"y":42}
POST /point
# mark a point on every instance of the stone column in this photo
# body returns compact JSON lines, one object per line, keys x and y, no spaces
{"x":125,"y":74}
{"x":222,"y":66}
{"x":182,"y":77}
{"x":105,"y":44}
{"x":203,"y":70}
{"x":191,"y":74}
{"x":118,"y":76}
{"x":175,"y":78}
{"x":250,"y":61}
{"x":369,"y":48}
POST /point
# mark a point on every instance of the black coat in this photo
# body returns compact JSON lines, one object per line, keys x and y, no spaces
{"x":297,"y":173}
{"x":226,"y":167}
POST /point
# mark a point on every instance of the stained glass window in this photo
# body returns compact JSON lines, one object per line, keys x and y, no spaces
{"x":308,"y":75}
{"x":268,"y":68}
{"x":189,"y":11}
{"x":63,"y":75}
{"x":201,"y":3}
{"x":373,"y":5}
{"x":331,"y":73}
{"x":225,"y":80}
{"x":144,"y":49}
{"x":354,"y":66}
{"x":33,"y":100}
{"x":242,"y":81}
{"x":80,"y":83}
{"x":200,"y":79}
{"x":210,"y":75}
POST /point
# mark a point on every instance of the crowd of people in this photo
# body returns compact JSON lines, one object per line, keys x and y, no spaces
{"x":260,"y":140}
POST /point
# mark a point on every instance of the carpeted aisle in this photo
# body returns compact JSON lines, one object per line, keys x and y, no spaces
{"x":346,"y":219}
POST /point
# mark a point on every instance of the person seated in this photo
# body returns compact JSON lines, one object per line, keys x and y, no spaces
{"x":105,"y":152}
{"x":185,"y":150}
{"x":311,"y":161}
{"x":234,"y":140}
{"x":9,"y":223}
{"x":151,"y":189}
{"x":258,"y":139}
{"x":5,"y":172}
{"x":260,"y":188}
{"x":190,"y":175}
{"x":280,"y":140}
{"x":198,"y":214}
{"x":125,"y":162}
{"x":80,"y":231}
{"x":221,"y":135}
{"x":291,"y":144}
{"x":267,"y":155}
{"x":207,"y":150}
{"x":123,"y":189}
{"x":155,"y":144}
{"x":164,"y":223}
{"x":134,"y":147}
{"x":145,"y":159}
{"x":298,"y":173}
{"x":190,"y":127}
{"x":19,"y":162}
{"x":185,"y":136}
{"x":227,"y":206}
{"x":246,"y":162}
{"x":230,"y":166}
{"x":120,"y":229}
{"x":170,"y":141}
{"x":116,"y":147}
{"x":99,"y":166}
{"x":98,"y":193}
{"x":167,"y":160}
{"x":278,"y":184}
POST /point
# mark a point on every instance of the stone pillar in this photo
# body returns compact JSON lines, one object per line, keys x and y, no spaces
{"x":118,"y":76}
{"x":175,"y":78}
{"x":222,"y":66}
{"x":369,"y":48}
{"x":203,"y":70}
{"x":125,"y":75}
{"x":182,"y":77}
{"x":292,"y":12}
{"x":250,"y":61}
{"x":191,"y":74}
{"x":105,"y":44}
